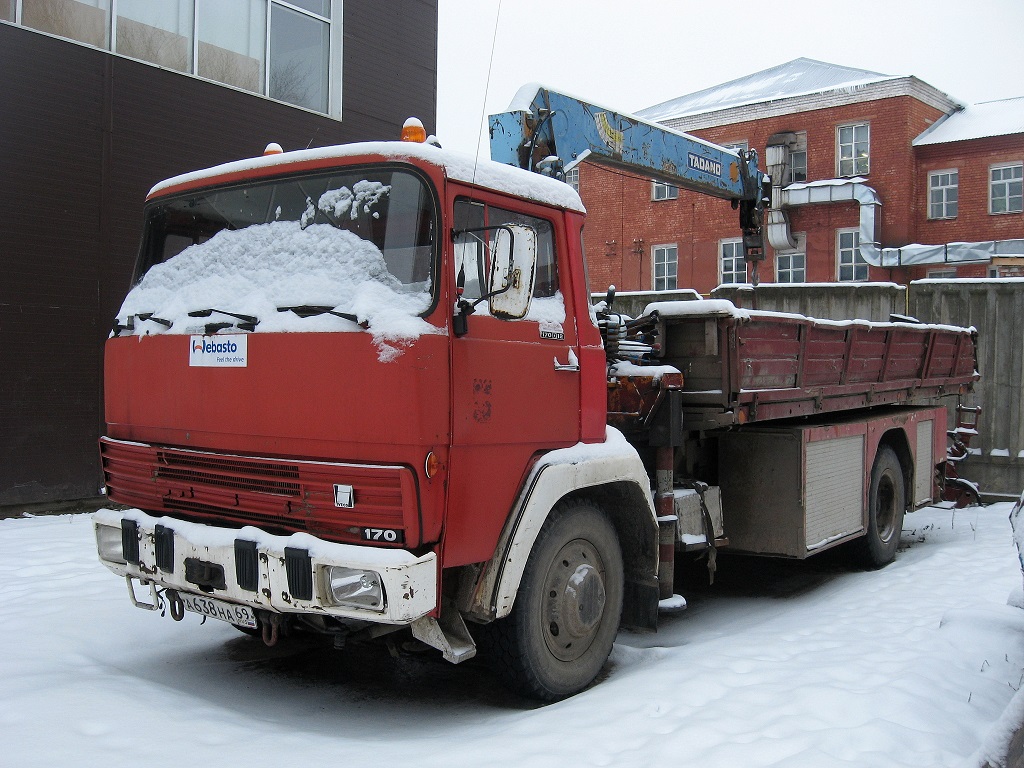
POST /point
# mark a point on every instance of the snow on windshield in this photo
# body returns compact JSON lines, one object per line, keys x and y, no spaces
{"x":337,"y":202}
{"x":258,"y":269}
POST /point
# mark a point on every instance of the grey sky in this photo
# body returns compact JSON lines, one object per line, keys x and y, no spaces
{"x":630,"y":55}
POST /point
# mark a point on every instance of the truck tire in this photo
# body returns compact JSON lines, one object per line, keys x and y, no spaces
{"x":887,"y":502}
{"x":566,"y":613}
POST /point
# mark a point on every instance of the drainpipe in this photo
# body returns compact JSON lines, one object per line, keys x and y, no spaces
{"x":779,"y":235}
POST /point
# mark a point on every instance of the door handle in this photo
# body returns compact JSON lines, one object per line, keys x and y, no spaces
{"x":572,"y":365}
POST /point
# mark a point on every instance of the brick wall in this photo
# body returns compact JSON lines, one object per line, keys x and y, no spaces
{"x":972,"y":159}
{"x":624,"y":223}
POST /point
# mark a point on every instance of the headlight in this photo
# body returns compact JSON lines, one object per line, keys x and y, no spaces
{"x":108,"y":543}
{"x":353,"y":587}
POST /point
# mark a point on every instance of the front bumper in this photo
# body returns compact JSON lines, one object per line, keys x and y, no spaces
{"x":283,"y":574}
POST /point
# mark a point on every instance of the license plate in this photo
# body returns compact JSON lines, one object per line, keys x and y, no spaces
{"x":242,"y":615}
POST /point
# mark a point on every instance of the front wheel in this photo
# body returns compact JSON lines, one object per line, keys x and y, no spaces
{"x":887,"y":502}
{"x":566,"y":613}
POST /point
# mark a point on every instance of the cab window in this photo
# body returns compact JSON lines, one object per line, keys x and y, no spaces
{"x":472,"y":249}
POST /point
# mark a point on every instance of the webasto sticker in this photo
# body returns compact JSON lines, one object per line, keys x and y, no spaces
{"x":226,"y":351}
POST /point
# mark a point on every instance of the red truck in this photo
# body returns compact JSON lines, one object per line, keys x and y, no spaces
{"x":362,"y":389}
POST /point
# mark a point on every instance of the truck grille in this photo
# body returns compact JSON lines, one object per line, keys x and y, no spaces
{"x":278,"y":496}
{"x":229,"y":472}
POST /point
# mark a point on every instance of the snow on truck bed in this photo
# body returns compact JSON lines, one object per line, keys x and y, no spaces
{"x":725,"y":308}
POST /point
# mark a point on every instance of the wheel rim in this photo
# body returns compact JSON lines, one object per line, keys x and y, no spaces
{"x":885,"y":508}
{"x":574,"y":600}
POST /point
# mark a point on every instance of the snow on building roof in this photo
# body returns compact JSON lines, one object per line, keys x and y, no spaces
{"x":977,"y":121}
{"x":794,"y":78}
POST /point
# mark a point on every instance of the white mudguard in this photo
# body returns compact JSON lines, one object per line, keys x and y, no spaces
{"x":557,"y":474}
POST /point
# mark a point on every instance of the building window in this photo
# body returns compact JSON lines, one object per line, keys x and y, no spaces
{"x":791,"y":266}
{"x":287,"y":50}
{"x":572,"y":178}
{"x":87,"y":22}
{"x":798,"y":159}
{"x":1005,"y":192}
{"x":661,"y":191}
{"x":943,"y":194}
{"x":736,"y":146}
{"x":160,"y":33}
{"x":231,"y":38}
{"x":854,"y":149}
{"x":300,"y":50}
{"x":666,"y":267}
{"x":942,"y":274}
{"x":851,"y":264}
{"x":733,"y":267}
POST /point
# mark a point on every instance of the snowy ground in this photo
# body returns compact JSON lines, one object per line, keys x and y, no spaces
{"x":780,"y":664}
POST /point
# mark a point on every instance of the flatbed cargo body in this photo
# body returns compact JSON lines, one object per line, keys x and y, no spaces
{"x":742,"y":366}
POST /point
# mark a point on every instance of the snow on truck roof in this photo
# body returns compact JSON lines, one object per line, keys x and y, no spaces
{"x":456,"y":166}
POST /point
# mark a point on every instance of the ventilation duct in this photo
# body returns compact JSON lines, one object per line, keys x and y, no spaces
{"x":854,"y":190}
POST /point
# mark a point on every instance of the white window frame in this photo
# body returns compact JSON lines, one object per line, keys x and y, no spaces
{"x":853,"y":144}
{"x":799,"y":252}
{"x":949,"y":181}
{"x":1004,"y":183}
{"x":336,"y":60}
{"x":948,"y":273}
{"x":662,"y":191}
{"x":855,"y":261}
{"x":734,"y":246}
{"x":736,"y":146}
{"x":797,"y":150}
{"x":572,"y":178}
{"x":667,"y":255}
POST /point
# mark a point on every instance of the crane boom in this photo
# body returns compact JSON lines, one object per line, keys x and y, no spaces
{"x":546,"y":131}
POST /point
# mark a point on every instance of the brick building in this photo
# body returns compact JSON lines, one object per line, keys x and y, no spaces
{"x":866,"y":167}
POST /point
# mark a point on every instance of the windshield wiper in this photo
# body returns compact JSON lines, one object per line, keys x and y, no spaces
{"x":154,"y":318}
{"x":130,"y":323}
{"x":311,"y":310}
{"x":247,"y":322}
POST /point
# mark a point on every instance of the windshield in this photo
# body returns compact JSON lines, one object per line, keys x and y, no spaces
{"x":341,"y":246}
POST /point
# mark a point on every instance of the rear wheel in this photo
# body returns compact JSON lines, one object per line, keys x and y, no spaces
{"x":566,"y":613}
{"x":887,"y":502}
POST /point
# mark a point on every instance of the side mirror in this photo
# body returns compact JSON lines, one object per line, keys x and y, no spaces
{"x":513,"y":270}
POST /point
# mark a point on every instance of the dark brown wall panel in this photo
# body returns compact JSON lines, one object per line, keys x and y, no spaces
{"x":85,"y":136}
{"x":390,"y":66}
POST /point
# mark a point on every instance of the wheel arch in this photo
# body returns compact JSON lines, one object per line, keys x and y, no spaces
{"x":896,"y":438}
{"x":616,"y":481}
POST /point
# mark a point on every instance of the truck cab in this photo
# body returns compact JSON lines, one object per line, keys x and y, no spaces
{"x":339,"y":382}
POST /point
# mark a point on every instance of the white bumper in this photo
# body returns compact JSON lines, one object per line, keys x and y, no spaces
{"x":409,"y":582}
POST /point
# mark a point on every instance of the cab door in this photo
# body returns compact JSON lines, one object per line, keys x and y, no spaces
{"x":515,"y":383}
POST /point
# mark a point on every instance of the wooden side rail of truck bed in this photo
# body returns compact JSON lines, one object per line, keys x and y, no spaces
{"x":741,"y":366}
